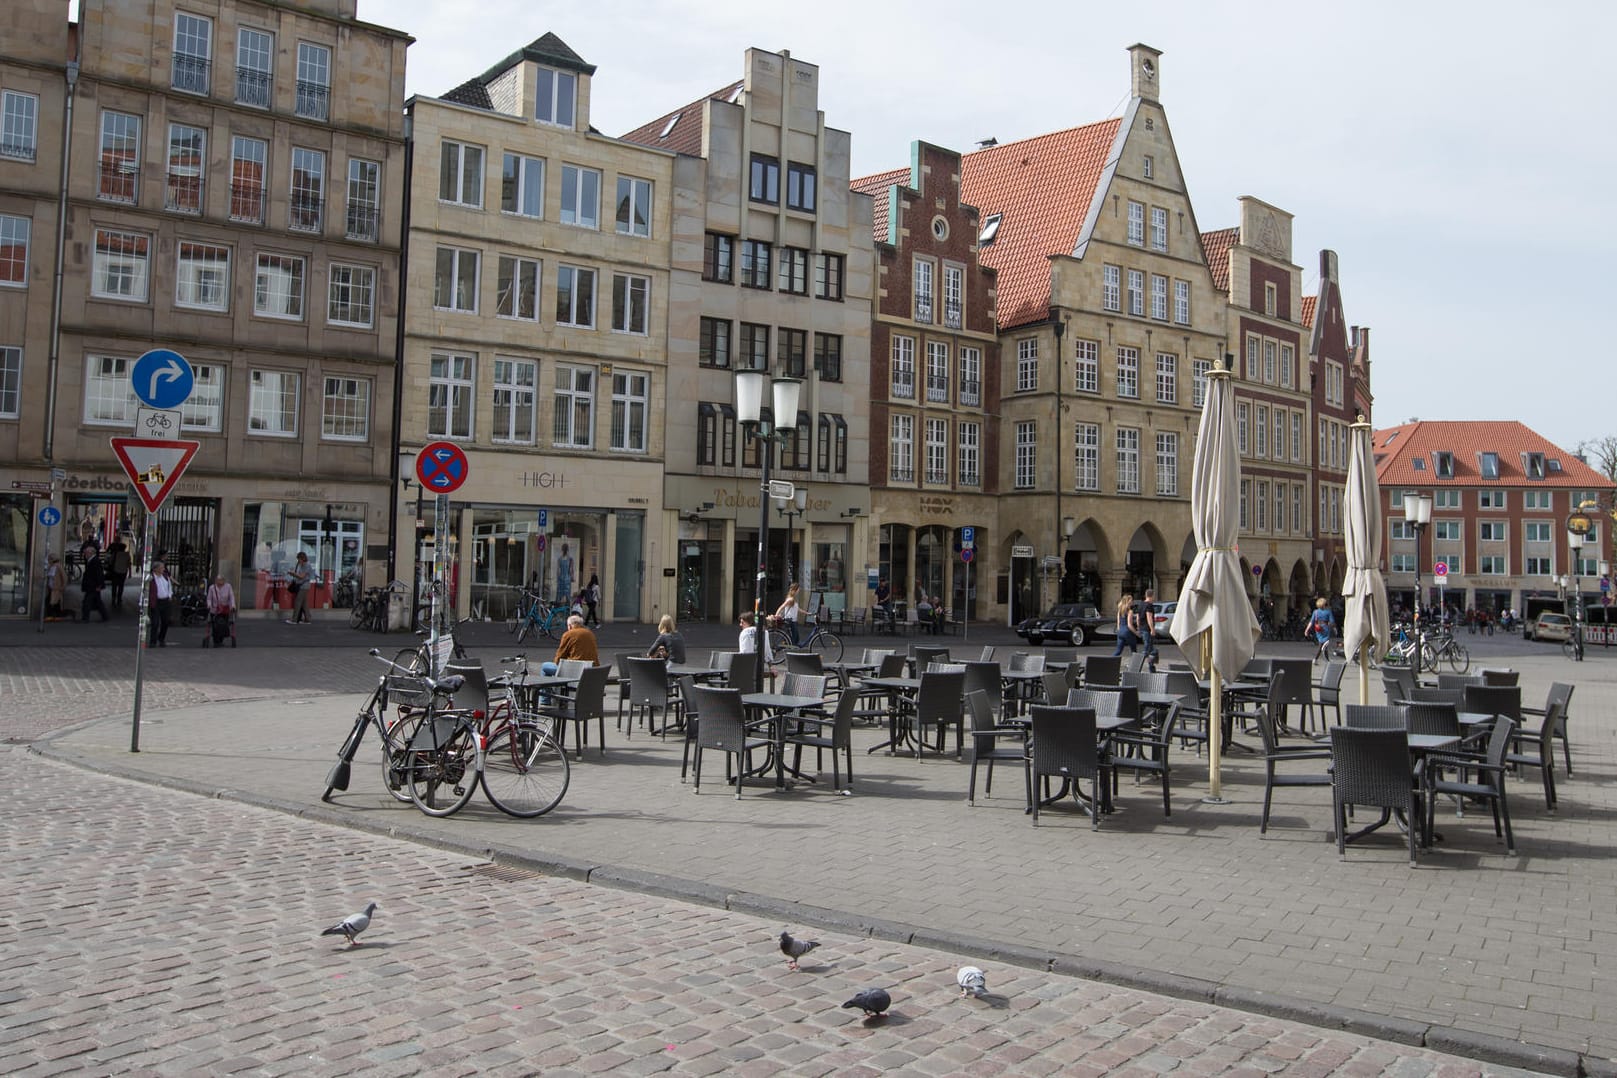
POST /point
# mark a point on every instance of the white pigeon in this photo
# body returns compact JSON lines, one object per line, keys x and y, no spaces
{"x":972,"y":981}
{"x":352,"y":925}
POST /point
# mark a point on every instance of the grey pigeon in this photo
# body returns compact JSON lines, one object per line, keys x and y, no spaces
{"x":971,"y":980}
{"x":352,"y":925}
{"x":794,"y":949}
{"x":873,"y":1001}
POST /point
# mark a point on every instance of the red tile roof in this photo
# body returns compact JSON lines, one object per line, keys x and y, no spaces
{"x":1309,"y":303}
{"x":1041,"y":188}
{"x":1216,"y":251}
{"x":877,"y":187}
{"x":1396,"y":448}
{"x":686,"y":135}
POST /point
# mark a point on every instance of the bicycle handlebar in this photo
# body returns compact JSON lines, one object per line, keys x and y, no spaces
{"x":446,"y":686}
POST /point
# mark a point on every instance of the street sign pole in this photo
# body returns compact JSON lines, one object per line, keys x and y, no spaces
{"x":142,"y":623}
{"x":440,"y":582}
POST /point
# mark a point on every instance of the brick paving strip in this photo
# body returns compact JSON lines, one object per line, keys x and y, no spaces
{"x":154,"y":932}
{"x":1497,"y":958}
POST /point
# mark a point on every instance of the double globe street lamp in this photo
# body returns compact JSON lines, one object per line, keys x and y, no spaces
{"x":1417,"y":515}
{"x":779,"y":426}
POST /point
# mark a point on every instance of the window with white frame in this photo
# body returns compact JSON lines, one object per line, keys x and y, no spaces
{"x":1490,"y":499}
{"x":272,"y":403}
{"x":122,"y":266}
{"x":1159,"y":297}
{"x":923,"y":290}
{"x":1492,"y":565}
{"x":314,"y":81}
{"x":968,"y":457}
{"x":345,"y":409}
{"x":454,"y":283}
{"x":1445,"y":529}
{"x":1136,"y":232}
{"x":109,"y":395}
{"x":516,"y":383}
{"x":1270,"y":364}
{"x":1254,"y":349}
{"x":278,"y":287}
{"x":1336,"y":510}
{"x":1278,"y":443}
{"x":351,"y":300}
{"x":120,"y":156}
{"x":1128,"y":460}
{"x":1531,"y":499}
{"x":19,"y":126}
{"x":1296,"y":436}
{"x":937,"y":451}
{"x":522,"y":185}
{"x":450,"y":383}
{"x":1137,"y":292}
{"x":187,"y":158}
{"x":193,"y":53}
{"x":971,"y":375}
{"x":1086,"y":456}
{"x":1086,"y":366}
{"x":1288,"y":365}
{"x":1199,"y":369}
{"x":202,"y":276}
{"x":580,"y":196}
{"x":1260,"y":500}
{"x":1243,"y":416}
{"x":1280,"y":507}
{"x":575,"y":297}
{"x":1537,"y":566}
{"x":631,"y":303}
{"x":574,"y":412}
{"x":1400,"y":563}
{"x":1159,"y":229}
{"x":516,"y":288}
{"x":903,"y":373}
{"x":901,"y":449}
{"x":1128,"y":372}
{"x":249,"y":163}
{"x":304,"y":207}
{"x":1111,"y":288}
{"x":1260,"y":431}
{"x":954,"y":279}
{"x":204,"y":409}
{"x":1027,"y":364}
{"x":1297,"y":509}
{"x":255,"y":67}
{"x":460,"y":173}
{"x":1493,"y":531}
{"x":937,"y":371}
{"x":1167,"y":378}
{"x":631,"y":397}
{"x":1027,"y":454}
{"x":10,"y":381}
{"x":1181,"y":302}
{"x":555,"y":96}
{"x":634,"y":206}
{"x":1536,"y":531}
{"x":363,"y":220}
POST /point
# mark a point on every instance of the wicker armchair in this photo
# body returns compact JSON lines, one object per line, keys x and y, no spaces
{"x":723,"y":728}
{"x":819,"y":733}
{"x":990,"y":742}
{"x":1145,"y":752}
{"x":1377,"y":717}
{"x":939,"y":703}
{"x":1560,"y":693}
{"x":1370,"y":769}
{"x":587,"y":702}
{"x":1530,"y":749}
{"x":1276,"y":755}
{"x":1489,"y":786}
{"x":1063,"y":746}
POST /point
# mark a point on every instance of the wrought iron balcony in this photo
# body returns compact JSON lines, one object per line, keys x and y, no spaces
{"x":190,"y":73}
{"x":254,"y":88}
{"x":364,"y":222}
{"x":314,"y":100}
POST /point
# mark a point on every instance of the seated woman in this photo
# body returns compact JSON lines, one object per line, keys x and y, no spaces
{"x":670,"y":643}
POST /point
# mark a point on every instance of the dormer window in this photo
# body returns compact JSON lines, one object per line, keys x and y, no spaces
{"x":1443,"y":464}
{"x":1490,"y":465}
{"x":1533,"y":465}
{"x":554,"y":96}
{"x":990,"y":229}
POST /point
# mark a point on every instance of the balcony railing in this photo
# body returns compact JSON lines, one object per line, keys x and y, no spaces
{"x":970,"y":479}
{"x":18,"y":151}
{"x":364,"y":222}
{"x":951,"y":315}
{"x":904,"y":387}
{"x":253,"y":88}
{"x":937,"y":390}
{"x":971,"y":392}
{"x":901,"y":474}
{"x":314,"y":100}
{"x":190,"y":73}
{"x":120,"y":181}
{"x":247,"y":203}
{"x":923,"y":309}
{"x":303,"y":212}
{"x":184,"y":193}
{"x":937,"y":476}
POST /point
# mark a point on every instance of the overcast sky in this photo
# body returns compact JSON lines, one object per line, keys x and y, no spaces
{"x":1458,"y":157}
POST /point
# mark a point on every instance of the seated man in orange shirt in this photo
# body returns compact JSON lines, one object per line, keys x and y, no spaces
{"x":576,"y":643}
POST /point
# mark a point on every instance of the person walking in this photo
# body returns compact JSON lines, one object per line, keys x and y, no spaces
{"x":160,"y":605}
{"x":118,"y":563}
{"x":55,"y":588}
{"x":221,"y":608}
{"x":300,"y":581}
{"x":592,"y":600}
{"x":1321,"y":625}
{"x":90,"y":584}
{"x":1146,"y":616}
{"x":1128,"y":625}
{"x":788,"y":612}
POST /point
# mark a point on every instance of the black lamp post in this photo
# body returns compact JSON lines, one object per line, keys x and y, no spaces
{"x":1418,"y":515}
{"x":749,"y":410}
{"x":792,"y":508}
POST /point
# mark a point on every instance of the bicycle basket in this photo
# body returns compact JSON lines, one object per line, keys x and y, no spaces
{"x":408,"y":691}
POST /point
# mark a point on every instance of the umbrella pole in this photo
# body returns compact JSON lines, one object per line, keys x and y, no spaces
{"x":1215,"y":725}
{"x":1364,"y":674}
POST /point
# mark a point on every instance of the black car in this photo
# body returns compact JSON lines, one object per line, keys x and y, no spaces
{"x":1070,"y":623}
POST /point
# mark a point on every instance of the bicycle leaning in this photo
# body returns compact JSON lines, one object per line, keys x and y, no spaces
{"x":1572,"y":646}
{"x":370,"y":612}
{"x":535,"y":613}
{"x":820,"y":639}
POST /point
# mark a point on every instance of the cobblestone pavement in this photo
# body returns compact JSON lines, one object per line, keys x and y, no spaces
{"x":1485,"y":950}
{"x":161,"y":933}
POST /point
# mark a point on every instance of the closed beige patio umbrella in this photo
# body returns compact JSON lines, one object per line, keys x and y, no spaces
{"x":1367,"y":625}
{"x":1213,"y":612}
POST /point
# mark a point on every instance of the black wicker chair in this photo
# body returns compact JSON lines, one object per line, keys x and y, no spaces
{"x":940,"y":703}
{"x":1276,"y":755}
{"x":1489,"y":768}
{"x":1376,"y":717}
{"x":1530,"y":749}
{"x":1560,"y":692}
{"x":587,"y":702}
{"x":1063,"y":746}
{"x":990,"y":742}
{"x":820,"y":732}
{"x":1370,"y":769}
{"x":1145,"y":752}
{"x":724,"y":729}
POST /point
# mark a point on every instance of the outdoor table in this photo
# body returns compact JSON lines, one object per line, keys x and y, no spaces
{"x":696,"y":673}
{"x":778,"y":707}
{"x":1016,"y":682}
{"x":530,"y":688}
{"x":1104,"y":726}
{"x":846,"y":670}
{"x":898,"y":735}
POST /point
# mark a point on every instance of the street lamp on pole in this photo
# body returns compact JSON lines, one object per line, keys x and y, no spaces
{"x":792,"y":508}
{"x":783,"y":423}
{"x":1574,"y":543}
{"x":1418,"y":515}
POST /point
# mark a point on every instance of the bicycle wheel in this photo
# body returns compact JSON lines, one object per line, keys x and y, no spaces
{"x":1459,"y":658}
{"x":525,"y":772}
{"x":395,"y":755}
{"x":440,"y":777}
{"x":779,"y":644}
{"x":828,"y":644}
{"x":359,"y":615}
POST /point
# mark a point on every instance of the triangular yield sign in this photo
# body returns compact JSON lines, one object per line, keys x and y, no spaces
{"x":154,"y":466}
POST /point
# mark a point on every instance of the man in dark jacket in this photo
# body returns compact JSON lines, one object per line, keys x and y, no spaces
{"x":91,"y":583}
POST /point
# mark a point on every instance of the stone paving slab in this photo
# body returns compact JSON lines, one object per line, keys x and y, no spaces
{"x":154,"y":932}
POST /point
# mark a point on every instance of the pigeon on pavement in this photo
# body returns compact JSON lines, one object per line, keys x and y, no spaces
{"x":873,"y":1001}
{"x":971,"y":980}
{"x":794,"y":949}
{"x":352,"y":925}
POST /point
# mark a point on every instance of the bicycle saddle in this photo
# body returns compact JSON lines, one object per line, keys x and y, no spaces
{"x":450,"y":685}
